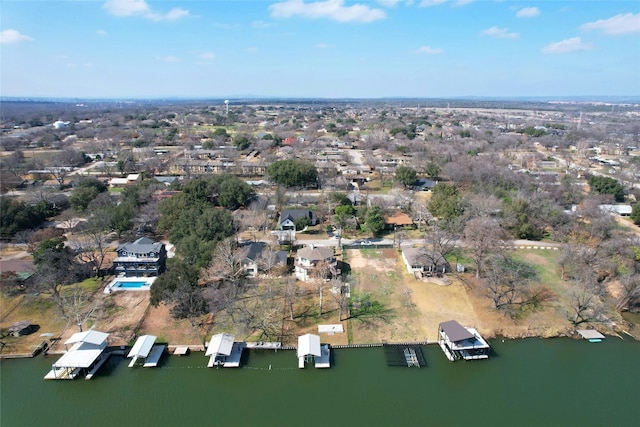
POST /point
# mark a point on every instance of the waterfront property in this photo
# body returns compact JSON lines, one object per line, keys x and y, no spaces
{"x":309,"y":348}
{"x":129,"y":284}
{"x":144,"y":349}
{"x":459,"y":342}
{"x":591,"y":334}
{"x":142,"y":258}
{"x":223,"y":351}
{"x":310,"y":258}
{"x":86,"y":355}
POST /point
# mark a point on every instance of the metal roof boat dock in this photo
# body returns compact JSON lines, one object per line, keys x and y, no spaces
{"x":223,"y":351}
{"x":86,"y":355}
{"x":459,"y":342}
{"x":144,"y":348}
{"x":309,"y":347}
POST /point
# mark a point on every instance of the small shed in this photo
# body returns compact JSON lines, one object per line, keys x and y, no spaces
{"x":22,"y":327}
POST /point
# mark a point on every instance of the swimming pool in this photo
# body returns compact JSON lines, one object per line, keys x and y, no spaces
{"x":129,"y":284}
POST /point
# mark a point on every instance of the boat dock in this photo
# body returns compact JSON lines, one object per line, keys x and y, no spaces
{"x":324,"y":361}
{"x":260,"y":345}
{"x":591,"y":335}
{"x":404,"y":355}
{"x":154,"y":356}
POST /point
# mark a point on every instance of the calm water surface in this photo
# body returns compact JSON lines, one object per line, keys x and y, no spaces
{"x":532,"y":382}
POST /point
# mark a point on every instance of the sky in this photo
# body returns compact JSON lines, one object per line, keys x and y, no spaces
{"x":319,"y":48}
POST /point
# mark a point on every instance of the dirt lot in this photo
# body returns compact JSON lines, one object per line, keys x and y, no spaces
{"x":382,"y":273}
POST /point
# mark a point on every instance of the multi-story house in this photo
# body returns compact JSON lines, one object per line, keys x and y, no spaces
{"x":144,"y":257}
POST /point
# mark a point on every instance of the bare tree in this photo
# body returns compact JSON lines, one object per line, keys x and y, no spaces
{"x":483,"y":236}
{"x":340,"y":292}
{"x":226,"y":265}
{"x":630,"y":296}
{"x":438,"y":244}
{"x":92,"y":247}
{"x":80,"y":306}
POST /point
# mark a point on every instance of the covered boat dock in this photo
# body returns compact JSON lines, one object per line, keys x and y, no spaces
{"x":145,"y":349}
{"x":86,"y":355}
{"x":223,"y":351}
{"x":309,"y":348}
{"x":459,"y":342}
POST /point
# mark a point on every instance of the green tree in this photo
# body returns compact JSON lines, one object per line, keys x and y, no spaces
{"x":446,"y":201}
{"x":432,"y":170}
{"x":293,"y":173}
{"x":81,"y":197}
{"x":177,"y":272}
{"x":232,"y":191}
{"x":242,"y":142}
{"x":301,"y":222}
{"x":374,"y":221}
{"x":635,"y":214}
{"x":606,"y":185}
{"x":406,"y":175}
{"x":17,"y":216}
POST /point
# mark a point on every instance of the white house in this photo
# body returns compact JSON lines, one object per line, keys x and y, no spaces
{"x":308,"y":258}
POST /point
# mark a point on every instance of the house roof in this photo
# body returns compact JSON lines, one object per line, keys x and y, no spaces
{"x":254,"y":250}
{"x":455,"y":331}
{"x":316,"y":253}
{"x":399,"y":218}
{"x":415,"y":256}
{"x":220,"y":344}
{"x":143,"y":245}
{"x":294,"y":214}
{"x":17,"y":266}
{"x":308,"y":345}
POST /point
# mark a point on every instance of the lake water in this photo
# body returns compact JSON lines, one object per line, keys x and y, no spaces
{"x":532,"y":382}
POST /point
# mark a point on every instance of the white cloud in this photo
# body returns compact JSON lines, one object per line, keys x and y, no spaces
{"x":573,"y":44}
{"x":252,"y":50}
{"x":528,"y":12}
{"x":13,"y":36}
{"x":168,"y":58}
{"x":330,"y":9}
{"x":101,"y":33}
{"x":207,"y":56}
{"x":141,"y":8}
{"x":500,"y":33}
{"x":429,"y":3}
{"x":617,"y":25}
{"x":260,"y":24}
{"x":428,"y":50}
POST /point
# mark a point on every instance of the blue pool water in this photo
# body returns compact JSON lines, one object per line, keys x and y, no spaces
{"x":129,"y":284}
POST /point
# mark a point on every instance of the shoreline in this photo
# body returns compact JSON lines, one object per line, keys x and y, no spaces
{"x":198,"y":348}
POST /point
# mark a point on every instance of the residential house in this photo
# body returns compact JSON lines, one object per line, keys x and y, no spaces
{"x":288,"y":218}
{"x":254,"y":259}
{"x":398,"y":220}
{"x":310,"y":258}
{"x":421,"y":261}
{"x":141,"y":258}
